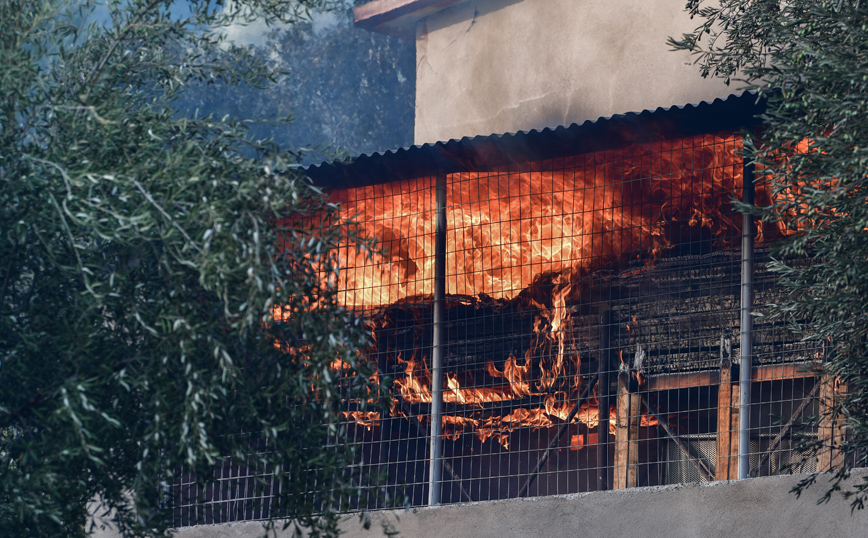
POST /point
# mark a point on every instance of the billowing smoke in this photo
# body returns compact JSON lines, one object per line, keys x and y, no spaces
{"x":346,"y":90}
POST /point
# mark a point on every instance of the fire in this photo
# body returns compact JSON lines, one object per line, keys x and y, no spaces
{"x":400,"y":216}
{"x":368,"y":419}
{"x":416,"y":385}
{"x":505,"y":229}
{"x":509,"y":230}
{"x":517,"y":376}
{"x":472,"y":395}
{"x":796,"y":214}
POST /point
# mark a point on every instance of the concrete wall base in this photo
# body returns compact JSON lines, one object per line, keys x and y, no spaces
{"x":752,"y":508}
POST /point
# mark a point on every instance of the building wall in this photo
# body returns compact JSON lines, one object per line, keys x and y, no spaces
{"x":752,"y":508}
{"x":496,"y":66}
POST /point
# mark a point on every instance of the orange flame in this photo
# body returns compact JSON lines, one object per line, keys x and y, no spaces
{"x":368,"y":419}
{"x":506,"y":230}
{"x":416,"y":385}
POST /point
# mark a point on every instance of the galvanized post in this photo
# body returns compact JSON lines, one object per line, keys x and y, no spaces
{"x":746,"y":326}
{"x":603,"y":388}
{"x":435,"y":468}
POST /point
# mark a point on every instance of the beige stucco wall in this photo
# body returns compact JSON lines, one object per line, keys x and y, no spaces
{"x":495,"y":66}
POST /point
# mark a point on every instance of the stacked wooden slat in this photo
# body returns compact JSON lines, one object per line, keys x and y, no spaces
{"x":675,"y":310}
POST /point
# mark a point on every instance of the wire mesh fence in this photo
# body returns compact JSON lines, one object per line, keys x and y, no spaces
{"x":233,"y":493}
{"x":590,"y":336}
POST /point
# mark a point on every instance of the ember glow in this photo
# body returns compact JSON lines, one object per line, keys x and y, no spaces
{"x":506,"y":228}
{"x":509,"y":230}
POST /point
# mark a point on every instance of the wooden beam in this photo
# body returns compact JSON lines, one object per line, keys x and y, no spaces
{"x":766,"y":372}
{"x":397,"y":18}
{"x":727,"y":424}
{"x":733,"y":437}
{"x":692,"y":455}
{"x":831,"y":431}
{"x":627,"y":434}
{"x":560,"y":433}
{"x":778,"y":372}
{"x":603,"y":399}
{"x":785,"y":430}
{"x":681,"y":380}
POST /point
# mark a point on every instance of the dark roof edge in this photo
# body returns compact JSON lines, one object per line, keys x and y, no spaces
{"x":397,"y":18}
{"x":486,"y":152}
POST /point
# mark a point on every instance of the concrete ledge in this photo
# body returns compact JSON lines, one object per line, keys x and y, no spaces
{"x":752,"y":508}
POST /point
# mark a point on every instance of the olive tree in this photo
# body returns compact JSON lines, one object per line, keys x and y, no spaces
{"x":807,"y":58}
{"x":165,"y":296}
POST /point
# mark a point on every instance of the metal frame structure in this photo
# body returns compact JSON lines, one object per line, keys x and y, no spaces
{"x":568,"y":377}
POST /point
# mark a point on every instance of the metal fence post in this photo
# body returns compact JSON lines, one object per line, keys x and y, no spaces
{"x":746,"y":326}
{"x":435,"y":468}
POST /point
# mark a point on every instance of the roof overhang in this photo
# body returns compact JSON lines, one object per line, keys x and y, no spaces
{"x":486,"y":152}
{"x":398,"y":18}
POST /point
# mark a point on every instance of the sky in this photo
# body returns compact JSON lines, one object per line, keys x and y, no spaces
{"x":349,"y":90}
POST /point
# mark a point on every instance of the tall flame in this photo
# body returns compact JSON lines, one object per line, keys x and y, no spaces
{"x":507,"y":229}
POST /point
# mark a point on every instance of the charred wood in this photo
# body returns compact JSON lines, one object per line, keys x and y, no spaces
{"x":560,"y":433}
{"x":685,"y":447}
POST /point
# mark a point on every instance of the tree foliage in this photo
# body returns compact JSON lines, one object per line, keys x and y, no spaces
{"x":360,"y":101}
{"x":809,"y":59}
{"x":142,"y":256}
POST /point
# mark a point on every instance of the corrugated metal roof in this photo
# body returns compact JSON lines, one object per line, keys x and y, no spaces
{"x":486,"y":152}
